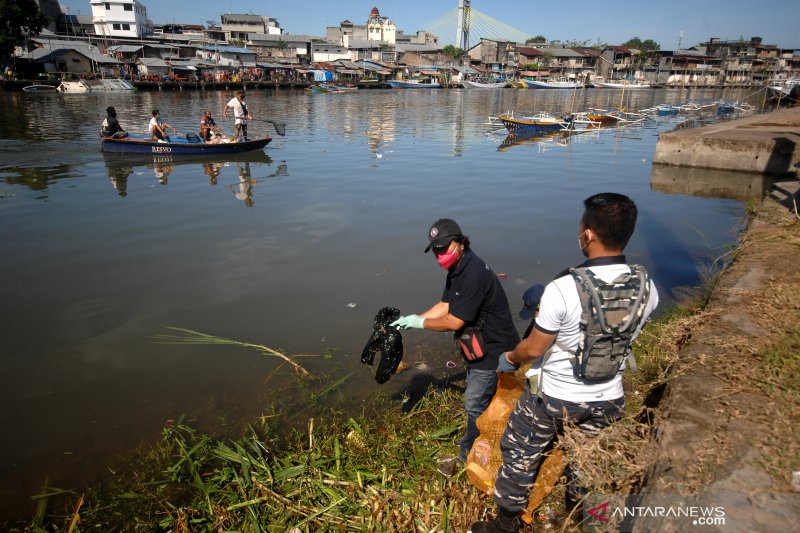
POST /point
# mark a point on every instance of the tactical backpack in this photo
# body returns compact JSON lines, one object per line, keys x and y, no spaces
{"x":610,"y":314}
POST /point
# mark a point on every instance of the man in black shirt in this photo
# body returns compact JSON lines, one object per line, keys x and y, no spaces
{"x":473,"y":297}
{"x":111,"y":125}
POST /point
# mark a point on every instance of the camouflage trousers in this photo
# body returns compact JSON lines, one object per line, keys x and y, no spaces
{"x":532,"y":428}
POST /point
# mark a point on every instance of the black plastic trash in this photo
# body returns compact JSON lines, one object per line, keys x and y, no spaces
{"x":388,"y":341}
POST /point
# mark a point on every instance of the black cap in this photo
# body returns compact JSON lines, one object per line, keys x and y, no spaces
{"x":442,"y":233}
{"x":530,"y":301}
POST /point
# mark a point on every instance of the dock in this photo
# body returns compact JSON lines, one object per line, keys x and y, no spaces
{"x":767,"y":144}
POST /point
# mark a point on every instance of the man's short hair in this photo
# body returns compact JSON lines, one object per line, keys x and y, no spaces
{"x":155,"y":112}
{"x":240,"y":93}
{"x":612,"y":217}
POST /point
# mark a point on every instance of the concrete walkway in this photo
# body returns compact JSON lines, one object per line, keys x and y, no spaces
{"x":766,"y":144}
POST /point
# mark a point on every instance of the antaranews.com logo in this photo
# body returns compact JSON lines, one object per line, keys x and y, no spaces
{"x":620,"y":513}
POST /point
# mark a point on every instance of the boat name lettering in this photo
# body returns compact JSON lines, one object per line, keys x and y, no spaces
{"x":162,"y":149}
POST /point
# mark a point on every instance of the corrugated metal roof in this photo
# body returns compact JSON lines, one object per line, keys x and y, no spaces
{"x":563,"y":52}
{"x":529,"y":52}
{"x":42,"y":54}
{"x":124,"y":48}
{"x":465,"y":70}
{"x":152,"y":62}
{"x":416,"y":48}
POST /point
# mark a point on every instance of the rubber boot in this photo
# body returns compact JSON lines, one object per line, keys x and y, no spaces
{"x":504,"y":522}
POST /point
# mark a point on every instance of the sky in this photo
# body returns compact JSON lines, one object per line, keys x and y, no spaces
{"x":611,"y":22}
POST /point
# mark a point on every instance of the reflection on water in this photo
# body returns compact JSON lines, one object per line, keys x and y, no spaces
{"x":120,"y":167}
{"x":710,"y":183}
{"x":101,"y":252}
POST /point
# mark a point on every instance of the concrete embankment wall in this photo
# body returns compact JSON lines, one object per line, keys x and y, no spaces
{"x":766,"y":144}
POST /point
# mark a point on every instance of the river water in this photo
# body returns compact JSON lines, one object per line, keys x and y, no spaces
{"x":295,"y":248}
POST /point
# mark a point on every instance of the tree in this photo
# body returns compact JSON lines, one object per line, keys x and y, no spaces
{"x":650,"y":45}
{"x":538,"y":39}
{"x":452,"y":51}
{"x":638,"y":44}
{"x":18,"y":18}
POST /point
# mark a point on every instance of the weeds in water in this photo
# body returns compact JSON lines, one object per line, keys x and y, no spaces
{"x":189,"y":336}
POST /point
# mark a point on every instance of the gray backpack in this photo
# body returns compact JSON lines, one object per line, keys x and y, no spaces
{"x":610,"y":314}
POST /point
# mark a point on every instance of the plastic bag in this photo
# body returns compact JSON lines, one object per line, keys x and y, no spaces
{"x":485,"y":458}
{"x":387,"y":340}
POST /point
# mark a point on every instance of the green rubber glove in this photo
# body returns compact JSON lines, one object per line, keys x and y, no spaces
{"x":409,"y":322}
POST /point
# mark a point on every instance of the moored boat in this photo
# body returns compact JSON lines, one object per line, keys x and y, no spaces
{"x":621,"y":84}
{"x":38,"y":87}
{"x":541,"y":122}
{"x":330,"y":88}
{"x":176,"y":146}
{"x":414,"y":84}
{"x":104,"y":85}
{"x":551,"y":84}
{"x":785,"y":89}
{"x":486,"y":84}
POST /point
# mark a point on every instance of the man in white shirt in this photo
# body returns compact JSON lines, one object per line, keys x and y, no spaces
{"x":605,"y":228}
{"x":240,"y":113}
{"x":158,"y":129}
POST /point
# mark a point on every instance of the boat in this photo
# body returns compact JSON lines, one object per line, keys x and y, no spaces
{"x":141,"y":144}
{"x":103,"y":85}
{"x":616,"y":117}
{"x":667,"y":110}
{"x":621,"y":84}
{"x":414,"y":84}
{"x":330,"y":88}
{"x":486,"y":84}
{"x":785,"y":89}
{"x":551,"y":84}
{"x":38,"y":87}
{"x":542,"y":122}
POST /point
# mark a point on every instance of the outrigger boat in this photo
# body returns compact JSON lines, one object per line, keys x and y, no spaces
{"x":141,"y":144}
{"x":542,"y":122}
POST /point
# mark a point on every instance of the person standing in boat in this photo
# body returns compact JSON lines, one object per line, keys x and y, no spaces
{"x":240,"y":113}
{"x":111,"y":127}
{"x":157,"y":128}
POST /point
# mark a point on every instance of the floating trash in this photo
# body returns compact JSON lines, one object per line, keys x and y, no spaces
{"x":352,"y":305}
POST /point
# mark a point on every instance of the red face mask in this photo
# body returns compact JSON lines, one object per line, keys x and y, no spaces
{"x":448,"y":259}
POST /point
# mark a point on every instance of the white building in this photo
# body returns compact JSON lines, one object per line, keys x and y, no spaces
{"x":121,"y":18}
{"x":380,"y":28}
{"x":240,"y":27}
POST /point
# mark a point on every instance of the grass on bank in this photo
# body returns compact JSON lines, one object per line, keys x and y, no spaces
{"x":371,"y":472}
